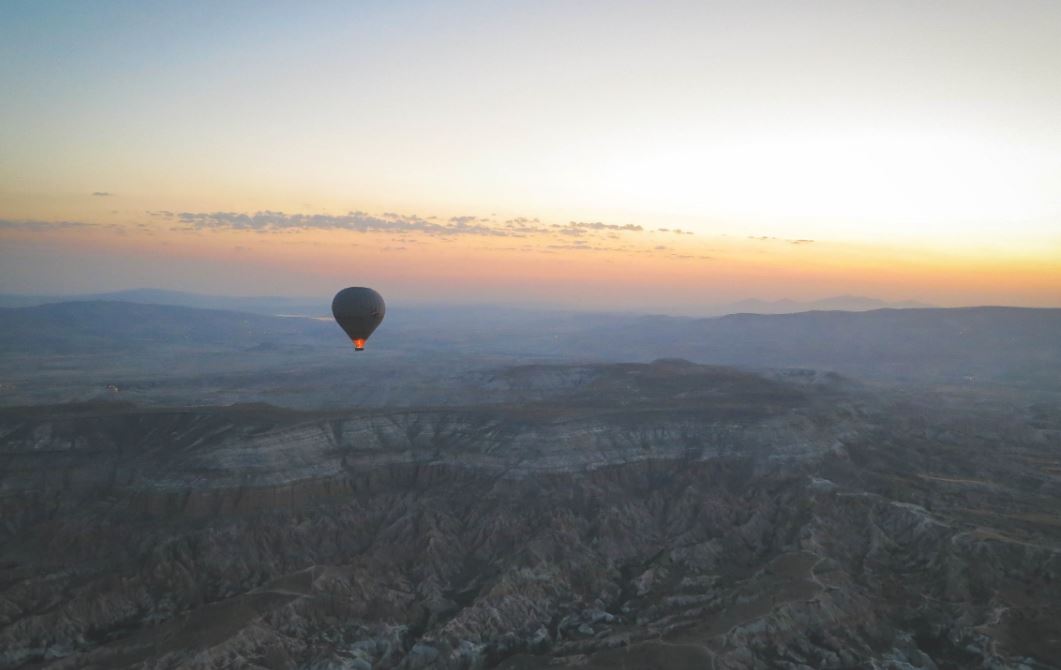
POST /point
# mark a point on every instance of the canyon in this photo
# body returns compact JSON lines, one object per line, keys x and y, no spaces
{"x":604,"y":515}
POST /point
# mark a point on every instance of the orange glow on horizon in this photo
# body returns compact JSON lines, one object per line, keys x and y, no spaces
{"x":646,"y":269}
{"x":795,"y":155}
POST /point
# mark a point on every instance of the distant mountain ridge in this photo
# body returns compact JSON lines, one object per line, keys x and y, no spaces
{"x":846,"y":303}
{"x":311,"y":306}
{"x":110,"y":326}
{"x":1007,"y":345}
{"x":271,"y":305}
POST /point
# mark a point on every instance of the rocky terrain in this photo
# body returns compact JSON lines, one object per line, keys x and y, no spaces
{"x":663,"y":515}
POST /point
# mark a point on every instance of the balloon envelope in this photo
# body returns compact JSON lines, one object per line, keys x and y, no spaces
{"x":358,"y":310}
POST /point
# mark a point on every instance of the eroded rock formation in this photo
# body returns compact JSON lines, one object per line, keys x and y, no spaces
{"x":663,"y":515}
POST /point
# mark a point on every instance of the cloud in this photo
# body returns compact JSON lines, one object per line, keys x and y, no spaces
{"x":691,"y":257}
{"x":597,"y":225}
{"x":522,"y":226}
{"x":388,"y":222}
{"x":580,"y":228}
{"x":466,"y":220}
{"x":578,"y":245}
{"x":102,"y":194}
{"x":401,"y":231}
{"x":767,"y":238}
{"x":40,"y":226}
{"x":565,"y":230}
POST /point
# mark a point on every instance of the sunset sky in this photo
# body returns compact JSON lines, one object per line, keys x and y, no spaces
{"x":661,"y":156}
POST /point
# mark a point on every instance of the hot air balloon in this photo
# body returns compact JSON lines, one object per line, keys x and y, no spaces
{"x":358,"y":310}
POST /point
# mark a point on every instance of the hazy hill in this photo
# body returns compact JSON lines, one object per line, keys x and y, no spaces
{"x":102,"y":326}
{"x":153,"y":343}
{"x":963,"y":344}
{"x":88,"y":326}
{"x":271,"y":305}
{"x":850,"y":303}
{"x":310,"y":306}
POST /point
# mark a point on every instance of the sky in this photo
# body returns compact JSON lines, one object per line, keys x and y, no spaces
{"x":662,"y":156}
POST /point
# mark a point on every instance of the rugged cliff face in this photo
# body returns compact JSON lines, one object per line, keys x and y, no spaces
{"x":664,"y":515}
